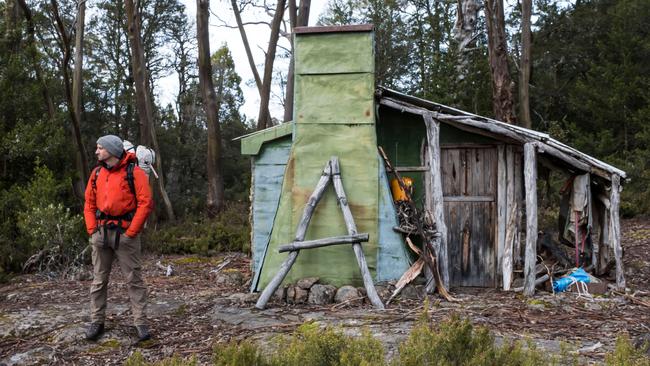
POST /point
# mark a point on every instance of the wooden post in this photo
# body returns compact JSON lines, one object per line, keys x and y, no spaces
{"x":615,"y":232}
{"x":519,"y":187}
{"x":433,"y":139}
{"x":530,"y":182}
{"x":428,"y":195}
{"x":300,"y":236}
{"x":502,"y":206}
{"x":603,"y":240}
{"x":335,"y":240}
{"x":352,"y":230}
{"x":511,"y":217}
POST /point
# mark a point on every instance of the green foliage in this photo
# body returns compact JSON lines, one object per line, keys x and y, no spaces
{"x":137,"y":359}
{"x":311,"y":345}
{"x":591,"y":82}
{"x":46,"y":226}
{"x":625,"y":354}
{"x":452,"y":342}
{"x":457,"y":342}
{"x":229,"y":231}
{"x":238,"y":354}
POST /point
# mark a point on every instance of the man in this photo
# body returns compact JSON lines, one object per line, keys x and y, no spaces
{"x":118,"y":202}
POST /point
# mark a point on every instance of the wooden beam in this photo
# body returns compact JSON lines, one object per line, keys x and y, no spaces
{"x":300,"y":236}
{"x":335,"y":240}
{"x":551,"y":151}
{"x":604,"y":239}
{"x":409,"y":169}
{"x":469,"y":199}
{"x":615,"y":232}
{"x":502,"y":207}
{"x":519,"y":198}
{"x":352,"y":230}
{"x":530,"y":183}
{"x":450,"y":120}
{"x":433,"y":140}
{"x":511,"y":216}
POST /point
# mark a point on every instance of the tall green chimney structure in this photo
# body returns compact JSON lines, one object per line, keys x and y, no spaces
{"x":334,"y":115}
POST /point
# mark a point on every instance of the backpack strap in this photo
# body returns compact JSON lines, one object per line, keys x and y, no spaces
{"x":94,"y":181}
{"x":129,"y":177}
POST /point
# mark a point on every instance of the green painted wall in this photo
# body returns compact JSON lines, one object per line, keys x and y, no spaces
{"x":334,"y":115}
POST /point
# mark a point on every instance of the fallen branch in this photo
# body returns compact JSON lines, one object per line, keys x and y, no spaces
{"x":407,"y":277}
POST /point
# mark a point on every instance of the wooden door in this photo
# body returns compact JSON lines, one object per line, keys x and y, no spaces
{"x":469,"y":178}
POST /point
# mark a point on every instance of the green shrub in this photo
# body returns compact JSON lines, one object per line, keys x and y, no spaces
{"x":453,"y":342}
{"x":13,"y":252}
{"x":311,"y":345}
{"x":625,"y":354}
{"x":229,"y":231}
{"x":136,"y":359}
{"x":457,"y":342}
{"x":53,"y":235}
{"x":238,"y":354}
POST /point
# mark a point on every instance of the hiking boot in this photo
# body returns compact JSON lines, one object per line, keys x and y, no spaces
{"x":143,"y":333}
{"x":94,"y":331}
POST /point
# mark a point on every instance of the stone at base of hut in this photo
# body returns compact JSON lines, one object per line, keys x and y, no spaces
{"x":307,"y":283}
{"x":297,"y":295}
{"x":349,"y":295}
{"x":231,"y":278}
{"x":411,"y":292}
{"x":384,"y":291}
{"x":280,"y":294}
{"x":244,"y":297}
{"x":321,"y":294}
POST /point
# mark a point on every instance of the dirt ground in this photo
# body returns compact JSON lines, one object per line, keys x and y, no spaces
{"x":204,"y":302}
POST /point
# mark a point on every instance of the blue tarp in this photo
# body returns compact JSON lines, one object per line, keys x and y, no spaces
{"x":579,"y":275}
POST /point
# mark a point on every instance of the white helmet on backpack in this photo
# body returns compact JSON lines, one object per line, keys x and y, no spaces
{"x":146,"y":157}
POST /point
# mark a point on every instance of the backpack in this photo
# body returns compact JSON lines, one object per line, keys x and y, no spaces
{"x":145,"y":157}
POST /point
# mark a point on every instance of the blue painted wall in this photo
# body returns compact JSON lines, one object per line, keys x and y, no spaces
{"x":268,"y":173}
{"x":392,"y":256}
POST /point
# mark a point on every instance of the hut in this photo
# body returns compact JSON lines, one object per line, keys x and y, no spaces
{"x":475,"y":175}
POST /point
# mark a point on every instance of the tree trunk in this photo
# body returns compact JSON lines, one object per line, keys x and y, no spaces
{"x":264,"y":117}
{"x":524,"y":67}
{"x":298,"y":19}
{"x":80,"y":154}
{"x":77,"y":84}
{"x":502,"y":99}
{"x":215,"y":197}
{"x":143,"y":97}
{"x":464,"y":30}
{"x":31,"y":31}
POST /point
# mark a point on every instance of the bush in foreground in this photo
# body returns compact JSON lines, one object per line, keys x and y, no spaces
{"x":454,"y":342}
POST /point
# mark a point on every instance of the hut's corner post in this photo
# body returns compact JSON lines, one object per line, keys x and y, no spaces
{"x":530,"y":183}
{"x":615,"y":232}
{"x":435,"y":167}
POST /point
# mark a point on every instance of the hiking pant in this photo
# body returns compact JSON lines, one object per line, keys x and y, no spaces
{"x":129,"y":257}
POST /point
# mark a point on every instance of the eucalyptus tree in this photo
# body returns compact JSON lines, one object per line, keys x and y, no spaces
{"x":264,"y":83}
{"x":211,"y":104}
{"x":502,"y":85}
{"x":143,"y":96}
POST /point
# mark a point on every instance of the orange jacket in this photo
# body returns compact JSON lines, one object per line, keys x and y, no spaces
{"x":113,"y":196}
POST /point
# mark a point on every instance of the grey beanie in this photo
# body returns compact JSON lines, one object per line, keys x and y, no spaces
{"x":112,"y":144}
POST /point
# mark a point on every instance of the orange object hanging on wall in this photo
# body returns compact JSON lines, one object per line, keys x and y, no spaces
{"x":398,"y":192}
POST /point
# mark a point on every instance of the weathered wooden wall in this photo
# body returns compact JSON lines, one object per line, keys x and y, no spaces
{"x":469,"y":174}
